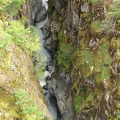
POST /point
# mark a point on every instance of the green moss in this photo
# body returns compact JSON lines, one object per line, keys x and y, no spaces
{"x":117,"y":115}
{"x":92,"y":63}
{"x":65,"y":50}
{"x":78,"y":100}
{"x":54,"y":14}
{"x":63,"y":57}
{"x":7,"y":105}
{"x":93,"y":1}
{"x":102,"y":62}
{"x":84,"y":59}
{"x":89,"y":100}
{"x":113,"y":44}
{"x":62,"y":37}
{"x":96,"y":26}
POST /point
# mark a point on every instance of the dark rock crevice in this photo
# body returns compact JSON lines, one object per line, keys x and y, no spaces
{"x":41,"y":20}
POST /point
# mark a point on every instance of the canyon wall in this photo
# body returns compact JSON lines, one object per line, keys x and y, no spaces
{"x":21,"y":96}
{"x":85,"y":38}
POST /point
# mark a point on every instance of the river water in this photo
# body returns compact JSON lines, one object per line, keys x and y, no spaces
{"x":50,"y":99}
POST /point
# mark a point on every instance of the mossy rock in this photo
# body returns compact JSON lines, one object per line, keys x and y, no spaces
{"x":84,"y":61}
{"x":8,"y":107}
{"x":96,"y":26}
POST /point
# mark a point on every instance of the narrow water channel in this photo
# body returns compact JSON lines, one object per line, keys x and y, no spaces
{"x":43,"y":30}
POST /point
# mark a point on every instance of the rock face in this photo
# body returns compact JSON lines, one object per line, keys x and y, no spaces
{"x":21,"y":96}
{"x":18,"y":73}
{"x":87,"y":64}
{"x":62,"y":90}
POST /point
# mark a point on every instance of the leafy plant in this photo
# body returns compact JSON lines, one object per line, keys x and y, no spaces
{"x":4,"y":36}
{"x":40,"y":64}
{"x":11,"y":5}
{"x":26,"y":39}
{"x":28,"y":107}
{"x":4,"y":3}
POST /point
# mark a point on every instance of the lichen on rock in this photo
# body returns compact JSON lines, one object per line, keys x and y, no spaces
{"x":16,"y":73}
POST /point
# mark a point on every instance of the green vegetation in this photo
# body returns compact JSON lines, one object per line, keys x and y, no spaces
{"x":96,"y":26}
{"x":84,"y":60}
{"x":26,"y":39}
{"x":4,"y":36}
{"x":96,"y":61}
{"x":63,"y":56}
{"x":40,"y":66}
{"x":10,"y":5}
{"x":117,"y":115}
{"x":17,"y":43}
{"x":14,"y":30}
{"x":7,"y":106}
{"x":78,"y":103}
{"x":93,"y":1}
{"x":114,"y":11}
{"x":28,"y":108}
{"x":102,"y":62}
{"x":78,"y":100}
{"x":62,"y":36}
{"x":65,"y":50}
{"x":112,"y":17}
{"x":91,"y":63}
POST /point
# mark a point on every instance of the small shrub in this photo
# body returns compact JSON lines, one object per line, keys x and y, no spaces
{"x":40,"y":64}
{"x":26,"y":39}
{"x":11,"y":5}
{"x":28,"y":108}
{"x":64,"y":54}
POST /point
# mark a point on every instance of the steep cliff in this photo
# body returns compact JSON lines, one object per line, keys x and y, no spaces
{"x":21,"y":97}
{"x":16,"y":74}
{"x":81,"y":45}
{"x":86,"y":42}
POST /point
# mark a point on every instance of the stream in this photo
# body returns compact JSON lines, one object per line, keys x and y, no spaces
{"x":41,"y":22}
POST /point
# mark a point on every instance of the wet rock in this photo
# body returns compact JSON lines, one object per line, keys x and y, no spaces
{"x":52,"y":105}
{"x":62,"y":91}
{"x":48,"y":47}
{"x":37,"y":11}
{"x":46,"y":31}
